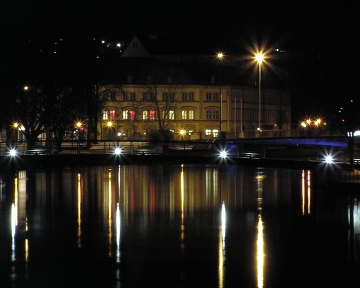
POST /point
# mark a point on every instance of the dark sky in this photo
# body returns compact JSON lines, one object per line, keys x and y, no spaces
{"x":323,"y":33}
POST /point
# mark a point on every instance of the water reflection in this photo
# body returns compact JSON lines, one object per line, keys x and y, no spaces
{"x":305,"y":191}
{"x":79,"y":210}
{"x":142,"y":226}
{"x":260,"y":232}
{"x":221,"y":249}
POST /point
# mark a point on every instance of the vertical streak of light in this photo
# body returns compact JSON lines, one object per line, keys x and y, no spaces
{"x":14,"y":216}
{"x":303,"y":192}
{"x":26,"y":250}
{"x":109,"y":219}
{"x":260,"y":254}
{"x":182,"y":235}
{"x":118,"y":225}
{"x":118,"y":253}
{"x":79,"y":209}
{"x":16,"y":200}
{"x":309,"y":191}
{"x":118,"y":184}
{"x":221,"y":248}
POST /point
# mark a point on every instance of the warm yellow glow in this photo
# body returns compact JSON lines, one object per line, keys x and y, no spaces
{"x":260,"y":254}
{"x":303,"y":124}
{"x":109,"y":124}
{"x":259,"y":57}
{"x":79,"y":209}
{"x":182,"y":132}
{"x":308,"y":121}
{"x":78,"y":124}
{"x":220,"y":55}
{"x":26,"y":250}
{"x":221,"y":260}
{"x":110,"y":217}
{"x":305,"y":192}
{"x":182,"y":235}
{"x":26,"y":88}
{"x":16,"y":125}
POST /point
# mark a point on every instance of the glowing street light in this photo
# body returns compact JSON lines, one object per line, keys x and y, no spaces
{"x":117,"y":150}
{"x":259,"y":57}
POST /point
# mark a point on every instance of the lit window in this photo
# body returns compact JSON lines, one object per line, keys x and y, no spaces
{"x":215,"y":132}
{"x":191,"y":114}
{"x":112,"y":115}
{"x":190,"y":131}
{"x":183,"y":114}
{"x":152,"y":115}
{"x":132,"y":115}
{"x":126,"y":114}
{"x":105,"y":115}
{"x":207,"y":132}
{"x":171,"y":115}
{"x":145,"y":115}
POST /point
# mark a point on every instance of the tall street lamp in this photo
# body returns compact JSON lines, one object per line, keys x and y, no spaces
{"x":220,"y":57}
{"x":259,"y":57}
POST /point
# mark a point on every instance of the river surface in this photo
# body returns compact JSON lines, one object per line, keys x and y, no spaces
{"x":176,"y":226}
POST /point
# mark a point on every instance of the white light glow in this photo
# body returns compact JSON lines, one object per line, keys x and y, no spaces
{"x":223,"y":154}
{"x":260,"y":253}
{"x":117,"y":151}
{"x":329,"y":159}
{"x":13,"y":152}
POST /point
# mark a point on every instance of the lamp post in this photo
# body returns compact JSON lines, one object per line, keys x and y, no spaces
{"x":109,"y":124}
{"x":259,"y":57}
{"x":16,"y":126}
{"x":220,"y":56}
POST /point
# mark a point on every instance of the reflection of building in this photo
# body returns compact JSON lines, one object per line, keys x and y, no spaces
{"x":185,"y":94}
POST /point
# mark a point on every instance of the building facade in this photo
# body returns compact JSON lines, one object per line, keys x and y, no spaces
{"x":202,"y":98}
{"x":132,"y":111}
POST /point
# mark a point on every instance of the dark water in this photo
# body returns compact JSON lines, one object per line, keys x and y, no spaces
{"x":176,"y":226}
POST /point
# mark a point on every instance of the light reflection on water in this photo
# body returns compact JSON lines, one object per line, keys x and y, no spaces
{"x":174,"y":226}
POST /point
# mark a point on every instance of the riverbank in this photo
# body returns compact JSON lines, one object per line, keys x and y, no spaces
{"x":48,"y":161}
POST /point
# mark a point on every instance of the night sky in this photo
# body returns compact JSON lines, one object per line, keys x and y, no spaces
{"x":320,"y":38}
